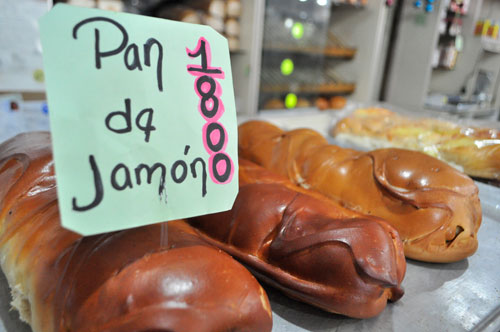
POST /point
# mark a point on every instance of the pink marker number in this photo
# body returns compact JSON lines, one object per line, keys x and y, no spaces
{"x":211,"y":108}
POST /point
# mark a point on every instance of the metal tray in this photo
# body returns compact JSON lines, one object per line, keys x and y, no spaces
{"x":438,"y":297}
{"x":461,"y":296}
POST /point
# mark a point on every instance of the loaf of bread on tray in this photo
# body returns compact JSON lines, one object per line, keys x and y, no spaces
{"x":162,"y":277}
{"x":434,"y":207}
{"x":474,"y":150}
{"x":308,"y":246}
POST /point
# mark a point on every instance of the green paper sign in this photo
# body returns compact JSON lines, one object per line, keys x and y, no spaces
{"x":142,"y":116}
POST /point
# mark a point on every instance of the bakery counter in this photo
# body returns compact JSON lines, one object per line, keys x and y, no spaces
{"x":320,"y":121}
{"x":438,"y":297}
{"x":323,"y":121}
{"x":460,"y":296}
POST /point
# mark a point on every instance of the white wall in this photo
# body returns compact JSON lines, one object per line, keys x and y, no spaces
{"x":366,"y":29}
{"x":411,"y":77}
{"x":473,"y":57}
{"x":410,"y":70}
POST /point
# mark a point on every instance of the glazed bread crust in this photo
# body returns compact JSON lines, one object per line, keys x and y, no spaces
{"x":161,"y":277}
{"x":474,"y":150}
{"x":434,"y":207}
{"x":308,"y":246}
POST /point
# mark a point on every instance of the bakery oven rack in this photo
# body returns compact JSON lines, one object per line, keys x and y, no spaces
{"x":303,"y":82}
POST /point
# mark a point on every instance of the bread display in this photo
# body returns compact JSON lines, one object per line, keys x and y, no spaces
{"x":322,"y":103}
{"x":302,"y":102}
{"x":308,"y":246}
{"x":337,"y":102}
{"x":161,"y":277}
{"x":434,"y":207}
{"x":233,"y":8}
{"x":274,"y":104}
{"x":476,"y":151}
{"x":180,"y":13}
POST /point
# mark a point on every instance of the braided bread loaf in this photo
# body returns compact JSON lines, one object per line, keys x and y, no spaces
{"x":475,"y":150}
{"x":308,"y":246}
{"x":161,"y":277}
{"x":434,"y":207}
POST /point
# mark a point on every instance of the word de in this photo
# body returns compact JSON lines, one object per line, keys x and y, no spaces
{"x":126,"y":115}
{"x":131,"y":57}
{"x":211,"y":108}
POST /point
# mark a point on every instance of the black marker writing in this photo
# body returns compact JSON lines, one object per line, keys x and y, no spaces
{"x":121,"y":177}
{"x":131,"y":56}
{"x":145,"y":125}
{"x":99,"y":192}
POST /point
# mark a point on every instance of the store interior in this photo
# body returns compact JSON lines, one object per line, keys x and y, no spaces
{"x":420,"y":56}
{"x":419,"y":75}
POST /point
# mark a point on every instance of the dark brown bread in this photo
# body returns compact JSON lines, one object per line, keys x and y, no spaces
{"x":308,"y":246}
{"x":434,"y":207}
{"x":161,"y":277}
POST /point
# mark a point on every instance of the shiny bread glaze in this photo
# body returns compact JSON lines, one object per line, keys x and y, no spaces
{"x":474,"y":150}
{"x":161,"y":277}
{"x":434,"y":207}
{"x":308,"y":246}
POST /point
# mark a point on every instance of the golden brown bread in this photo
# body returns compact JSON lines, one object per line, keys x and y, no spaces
{"x":274,"y":103}
{"x":434,"y":207}
{"x":322,"y":103}
{"x":161,"y":277}
{"x":308,"y":246}
{"x":338,"y":102}
{"x":475,"y":150}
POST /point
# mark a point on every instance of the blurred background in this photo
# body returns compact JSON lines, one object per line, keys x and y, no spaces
{"x":417,"y":55}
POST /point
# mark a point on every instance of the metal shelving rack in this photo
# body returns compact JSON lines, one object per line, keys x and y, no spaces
{"x":342,"y":69}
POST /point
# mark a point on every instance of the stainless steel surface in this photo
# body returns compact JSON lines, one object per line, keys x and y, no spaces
{"x":438,"y":297}
{"x":9,"y":319}
{"x":491,"y":323}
